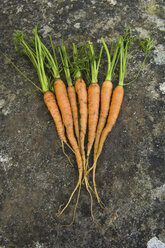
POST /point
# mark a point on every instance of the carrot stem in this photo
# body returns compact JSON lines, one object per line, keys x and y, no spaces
{"x":28,"y":79}
{"x":111,"y":63}
{"x":53,"y":63}
{"x":41,"y":70}
{"x":54,"y":55}
{"x":125,"y":44}
{"x":94,"y":65}
{"x":121,"y":79}
{"x":64,"y":59}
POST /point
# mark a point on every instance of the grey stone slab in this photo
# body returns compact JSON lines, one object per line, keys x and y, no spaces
{"x":36,"y":178}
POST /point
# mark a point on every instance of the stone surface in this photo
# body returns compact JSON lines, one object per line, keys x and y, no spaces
{"x":36,"y":177}
{"x":155,"y":243}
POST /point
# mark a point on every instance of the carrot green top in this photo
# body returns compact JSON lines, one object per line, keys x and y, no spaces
{"x":51,"y":62}
{"x":80,"y":64}
{"x":37,"y":56}
{"x":125,"y":43}
{"x":40,"y":62}
{"x":123,"y":57}
{"x":76,"y":63}
{"x":93,"y":64}
{"x":111,"y":59}
{"x":65,"y":62}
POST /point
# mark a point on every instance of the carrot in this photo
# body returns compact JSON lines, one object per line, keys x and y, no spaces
{"x":80,"y":60}
{"x":70,"y":89}
{"x":106,"y":91}
{"x":93,"y":99}
{"x":82,"y":97}
{"x":37,"y":59}
{"x":114,"y":109}
{"x":64,"y":105}
{"x":66,"y":113}
{"x":49,"y":97}
{"x":93,"y":113}
{"x":116,"y":102}
{"x":118,"y":94}
{"x":81,"y":92}
{"x":51,"y":104}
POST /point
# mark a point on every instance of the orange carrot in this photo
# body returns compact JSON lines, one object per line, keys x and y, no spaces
{"x":118,"y":94}
{"x":116,"y":101}
{"x":38,"y":60}
{"x":51,"y":104}
{"x":81,"y":91}
{"x":106,"y":91}
{"x":73,"y":103}
{"x":71,"y":90}
{"x":66,"y":113}
{"x":93,"y":113}
{"x":93,"y":100}
{"x":64,"y":105}
{"x":117,"y":98}
{"x":50,"y":101}
{"x":80,"y":87}
{"x":78,"y":65}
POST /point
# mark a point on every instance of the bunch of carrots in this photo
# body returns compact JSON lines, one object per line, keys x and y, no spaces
{"x":78,"y":109}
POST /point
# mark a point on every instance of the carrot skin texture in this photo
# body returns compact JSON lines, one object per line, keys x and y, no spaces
{"x":73,"y":102}
{"x":93,"y":113}
{"x":50,"y":101}
{"x":116,"y":102}
{"x":65,"y":108}
{"x":106,"y":91}
{"x":81,"y":91}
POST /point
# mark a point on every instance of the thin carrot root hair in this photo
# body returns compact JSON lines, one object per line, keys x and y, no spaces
{"x":66,"y":143}
{"x":60,"y":212}
{"x":102,"y":205}
{"x":94,"y":191}
{"x":87,"y":163}
{"x":75,"y":208}
{"x":91,"y":205}
{"x":93,"y":167}
{"x":62,"y":144}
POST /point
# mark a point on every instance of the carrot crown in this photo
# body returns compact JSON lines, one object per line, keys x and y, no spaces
{"x":93,"y":64}
{"x":65,"y":61}
{"x":35,"y":55}
{"x":111,"y":61}
{"x":80,"y":63}
{"x":77,"y":72}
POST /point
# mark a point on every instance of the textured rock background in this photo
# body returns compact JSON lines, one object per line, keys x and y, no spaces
{"x":35,"y":176}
